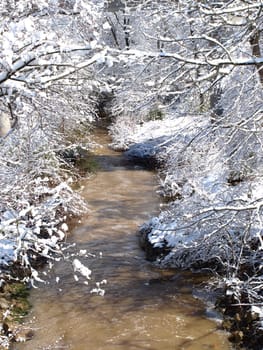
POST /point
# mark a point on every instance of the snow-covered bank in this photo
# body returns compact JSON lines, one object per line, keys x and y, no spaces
{"x":37,"y":229}
{"x":209,"y":222}
{"x":47,"y":107}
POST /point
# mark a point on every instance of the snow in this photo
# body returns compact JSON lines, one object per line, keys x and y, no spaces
{"x":7,"y":247}
{"x":81,"y":269}
{"x":200,"y":185}
{"x":156,"y":131}
{"x":106,"y":26}
{"x":156,"y":137}
{"x":258,"y":310}
{"x":98,"y":290}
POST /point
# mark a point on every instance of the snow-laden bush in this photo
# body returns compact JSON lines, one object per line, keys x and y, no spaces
{"x":48,"y":92}
{"x":215,"y":184}
{"x":36,"y":197}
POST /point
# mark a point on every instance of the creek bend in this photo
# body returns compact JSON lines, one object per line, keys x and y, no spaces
{"x":143,"y":307}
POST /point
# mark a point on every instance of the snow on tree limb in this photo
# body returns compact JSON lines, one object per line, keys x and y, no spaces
{"x":230,"y":9}
{"x":39,"y":48}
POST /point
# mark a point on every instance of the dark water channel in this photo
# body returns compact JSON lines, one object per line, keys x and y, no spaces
{"x":143,"y":307}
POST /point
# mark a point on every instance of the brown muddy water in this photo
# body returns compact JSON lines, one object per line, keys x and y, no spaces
{"x":143,"y":308}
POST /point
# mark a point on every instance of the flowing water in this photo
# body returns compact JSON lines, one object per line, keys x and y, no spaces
{"x":143,"y":307}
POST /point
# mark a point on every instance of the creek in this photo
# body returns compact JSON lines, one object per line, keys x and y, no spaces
{"x":143,"y":307}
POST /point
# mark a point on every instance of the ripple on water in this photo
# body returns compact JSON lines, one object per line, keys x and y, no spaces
{"x":143,"y":308}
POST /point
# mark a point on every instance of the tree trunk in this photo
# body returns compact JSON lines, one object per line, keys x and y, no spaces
{"x":254,"y":42}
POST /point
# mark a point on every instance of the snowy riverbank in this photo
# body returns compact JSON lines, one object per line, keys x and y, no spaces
{"x":204,"y":224}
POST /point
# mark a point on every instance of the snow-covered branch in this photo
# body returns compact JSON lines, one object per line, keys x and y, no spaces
{"x":39,"y":48}
{"x":230,"y":9}
{"x":256,"y":206}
